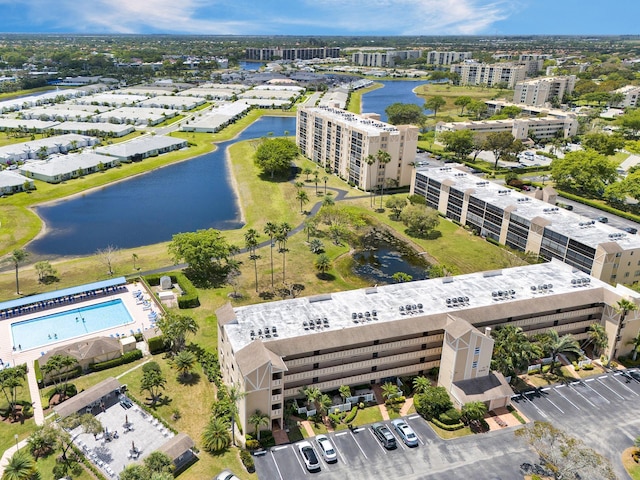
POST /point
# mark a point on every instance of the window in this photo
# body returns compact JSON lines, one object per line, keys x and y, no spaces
{"x":476,"y":351}
{"x":474,"y":364}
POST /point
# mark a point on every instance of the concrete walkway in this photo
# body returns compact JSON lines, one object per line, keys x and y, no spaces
{"x":34,"y":391}
{"x":406,"y":407}
{"x":377,"y":391}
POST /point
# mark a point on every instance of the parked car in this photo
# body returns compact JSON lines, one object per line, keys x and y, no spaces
{"x":326,"y":449}
{"x":405,"y":432}
{"x":602,"y":219}
{"x":630,"y":230}
{"x":385,"y":436}
{"x":226,"y":475}
{"x":635,"y":374}
{"x":309,"y":456}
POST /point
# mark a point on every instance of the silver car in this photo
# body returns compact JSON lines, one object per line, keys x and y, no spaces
{"x":405,"y":432}
{"x":326,"y":448}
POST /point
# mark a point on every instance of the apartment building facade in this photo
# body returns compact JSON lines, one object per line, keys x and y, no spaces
{"x":341,"y":142}
{"x":272,"y":350}
{"x":279,"y":53}
{"x":540,"y":91}
{"x":528,"y":224}
{"x":489,"y":74}
{"x":630,"y":95}
{"x":435,"y":57}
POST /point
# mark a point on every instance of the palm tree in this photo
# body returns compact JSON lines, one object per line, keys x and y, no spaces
{"x":20,"y":467}
{"x":17,"y":256}
{"x":215,"y":436}
{"x":370,"y":160}
{"x":325,"y":179}
{"x":345,"y":392}
{"x":251,"y":244}
{"x":153,"y":381}
{"x":235,"y":395}
{"x":259,"y":419}
{"x":158,"y":462}
{"x":389,"y":390}
{"x":310,"y":225}
{"x":383,"y":158}
{"x":184,"y":362}
{"x":271,"y":229}
{"x":560,"y":345}
{"x":421,"y":384}
{"x":323,"y":264}
{"x":307,"y":171}
{"x":282,"y":236}
{"x":512,"y":350}
{"x":312,"y":395}
{"x":316,"y":180}
{"x":623,"y":307}
{"x":597,"y":337}
{"x":636,"y":346}
{"x":303,"y":198}
{"x":474,"y":411}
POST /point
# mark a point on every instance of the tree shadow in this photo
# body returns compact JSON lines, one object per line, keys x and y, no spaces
{"x":329,"y":277}
{"x":266,"y":295}
{"x":190,"y":381}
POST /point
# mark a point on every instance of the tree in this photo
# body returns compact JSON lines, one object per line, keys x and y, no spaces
{"x":635,"y":342}
{"x":303,"y":198}
{"x":435,"y":103}
{"x":316,"y":180}
{"x":474,"y":411}
{"x":215,"y":437}
{"x":234,"y":396}
{"x":396,"y":204}
{"x":282,"y":236}
{"x":206,"y":252}
{"x":274,"y":155}
{"x":271,"y":229}
{"x":316,"y":246}
{"x":477,"y":108}
{"x":629,"y":186}
{"x":58,"y":368}
{"x":462,"y":102}
{"x":307,"y":171}
{"x":500,"y":143}
{"x":555,"y":345}
{"x":175,"y":329}
{"x":623,"y":307}
{"x":45,"y":271}
{"x":258,"y":419}
{"x":421,"y":384}
{"x":233,"y":274}
{"x":512,"y":350}
{"x":432,"y":402}
{"x":584,"y":171}
{"x":370,"y":160}
{"x":345,"y":392}
{"x":11,"y":382}
{"x":134,"y":257}
{"x":17,"y":257}
{"x":135,"y":472}
{"x":597,"y":337}
{"x":251,"y":244}
{"x":389,"y":390}
{"x":603,"y":143}
{"x":419,"y":220}
{"x":511,"y":111}
{"x":153,"y":382}
{"x":325,"y":179}
{"x":382,"y":158}
{"x":565,"y":456}
{"x":20,"y":467}
{"x":310,"y":227}
{"x":184,"y":362}
{"x":86,"y":423}
{"x":107,"y":256}
{"x":401,"y":277}
{"x":158,"y":462}
{"x":460,"y":142}
{"x":405,"y":114}
{"x":323,"y":264}
{"x":630,"y":122}
{"x":43,"y":440}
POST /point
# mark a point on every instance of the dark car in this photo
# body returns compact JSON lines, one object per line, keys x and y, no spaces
{"x":602,"y":219}
{"x":634,"y":374}
{"x":382,"y":432}
{"x":630,"y":230}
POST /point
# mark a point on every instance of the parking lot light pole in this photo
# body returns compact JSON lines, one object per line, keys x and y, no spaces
{"x":15,"y":436}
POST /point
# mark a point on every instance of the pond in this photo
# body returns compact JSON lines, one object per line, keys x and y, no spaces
{"x":150,"y":208}
{"x":382,"y":255}
{"x":396,"y":91}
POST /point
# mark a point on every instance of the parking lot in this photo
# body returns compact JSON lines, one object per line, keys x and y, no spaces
{"x":495,"y":455}
{"x":601,"y":410}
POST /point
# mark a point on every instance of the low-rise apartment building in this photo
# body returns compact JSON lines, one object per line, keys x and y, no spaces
{"x":540,"y":91}
{"x":272,"y":350}
{"x":630,"y":95}
{"x":341,"y":141}
{"x":528,"y":224}
{"x":489,"y":74}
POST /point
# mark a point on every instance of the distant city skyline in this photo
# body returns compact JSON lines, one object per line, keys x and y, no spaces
{"x":323,"y":17}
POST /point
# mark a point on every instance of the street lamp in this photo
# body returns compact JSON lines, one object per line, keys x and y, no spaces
{"x":15,"y":436}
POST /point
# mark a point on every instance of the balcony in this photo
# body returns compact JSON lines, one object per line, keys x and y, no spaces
{"x":276,"y":413}
{"x":276,"y":398}
{"x":276,"y":383}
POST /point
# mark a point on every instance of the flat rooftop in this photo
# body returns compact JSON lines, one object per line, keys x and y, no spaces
{"x":481,"y":289}
{"x":372,"y":127}
{"x":572,"y":225}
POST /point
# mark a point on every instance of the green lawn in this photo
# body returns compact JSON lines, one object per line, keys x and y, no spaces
{"x":368,"y":415}
{"x":447,"y":435}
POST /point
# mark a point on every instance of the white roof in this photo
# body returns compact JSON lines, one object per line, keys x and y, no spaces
{"x":63,"y":164}
{"x":11,"y":178}
{"x":140,"y":145}
{"x":98,"y":126}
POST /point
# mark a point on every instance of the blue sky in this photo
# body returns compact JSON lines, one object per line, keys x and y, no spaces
{"x":323,"y":17}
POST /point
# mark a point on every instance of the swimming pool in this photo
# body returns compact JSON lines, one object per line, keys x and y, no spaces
{"x":42,"y":331}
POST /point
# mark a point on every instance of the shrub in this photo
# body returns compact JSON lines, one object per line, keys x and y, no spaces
{"x":361,"y":405}
{"x":351,"y":415}
{"x":450,"y":417}
{"x":128,"y":357}
{"x":588,"y":366}
{"x":37,"y":371}
{"x":448,"y":428}
{"x":189,"y":298}
{"x":247,"y":461}
{"x":252,"y":444}
{"x":156,"y":345}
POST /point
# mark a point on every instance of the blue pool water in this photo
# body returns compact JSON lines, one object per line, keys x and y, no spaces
{"x":42,"y":331}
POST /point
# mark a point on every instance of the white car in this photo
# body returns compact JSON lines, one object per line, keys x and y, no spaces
{"x":326,"y":448}
{"x":405,"y":432}
{"x":309,"y":456}
{"x":226,"y":475}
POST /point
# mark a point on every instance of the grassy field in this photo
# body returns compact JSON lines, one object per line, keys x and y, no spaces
{"x":447,"y":435}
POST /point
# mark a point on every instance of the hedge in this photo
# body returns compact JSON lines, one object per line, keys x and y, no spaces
{"x":247,"y":461}
{"x":156,"y":345}
{"x":37,"y":371}
{"x":351,"y":415}
{"x":598,"y":205}
{"x":444,"y":426}
{"x":128,"y":357}
{"x":189,"y":298}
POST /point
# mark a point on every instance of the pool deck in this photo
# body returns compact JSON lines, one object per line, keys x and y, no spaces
{"x":17,"y":357}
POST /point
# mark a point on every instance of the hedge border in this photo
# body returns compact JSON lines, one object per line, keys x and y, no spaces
{"x":444,"y":426}
{"x":190,"y":298}
{"x":128,"y":357}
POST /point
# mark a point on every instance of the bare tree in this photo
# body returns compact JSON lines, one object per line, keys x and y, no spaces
{"x":107,"y":256}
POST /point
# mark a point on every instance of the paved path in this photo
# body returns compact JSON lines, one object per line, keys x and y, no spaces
{"x":34,"y":390}
{"x":406,"y":407}
{"x":377,"y":391}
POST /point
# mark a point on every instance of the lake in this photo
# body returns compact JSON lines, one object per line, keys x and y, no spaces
{"x":397,"y":91}
{"x":150,"y":208}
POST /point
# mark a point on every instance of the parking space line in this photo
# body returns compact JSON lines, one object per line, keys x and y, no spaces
{"x":606,"y":386}
{"x":335,"y":447}
{"x":354,"y":439}
{"x":524,"y":395}
{"x":552,"y":403}
{"x":398,"y":439}
{"x":273,"y":456}
{"x":341,"y":434}
{"x":585,"y":398}
{"x":280,"y":448}
{"x":623,"y":385}
{"x":377,"y":441}
{"x":598,"y":393}
{"x":297,"y":454}
{"x":567,"y":399}
{"x":589,"y":379}
{"x":413,"y":417}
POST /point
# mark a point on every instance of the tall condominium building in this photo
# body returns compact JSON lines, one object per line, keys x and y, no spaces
{"x":272,"y":350}
{"x":279,"y":53}
{"x":630,"y":95}
{"x":341,"y":141}
{"x":540,"y":128}
{"x":489,"y":74}
{"x":540,"y":91}
{"x":386,"y":58}
{"x":446,"y":58}
{"x":528,"y":224}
